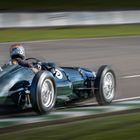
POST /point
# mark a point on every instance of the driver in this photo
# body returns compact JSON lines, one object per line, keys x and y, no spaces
{"x":17,"y":53}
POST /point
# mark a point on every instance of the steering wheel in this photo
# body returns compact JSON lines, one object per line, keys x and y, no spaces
{"x":34,"y":61}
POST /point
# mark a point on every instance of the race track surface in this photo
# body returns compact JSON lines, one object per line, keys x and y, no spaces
{"x":123,"y":53}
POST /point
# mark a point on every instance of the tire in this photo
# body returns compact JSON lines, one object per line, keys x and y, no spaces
{"x":42,"y":85}
{"x":105,"y":85}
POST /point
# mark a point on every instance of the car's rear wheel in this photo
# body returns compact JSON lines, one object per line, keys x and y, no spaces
{"x":43,"y":92}
{"x":105,"y":85}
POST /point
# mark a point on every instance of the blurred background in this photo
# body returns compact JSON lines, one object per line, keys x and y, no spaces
{"x":86,"y":33}
{"x":69,"y":5}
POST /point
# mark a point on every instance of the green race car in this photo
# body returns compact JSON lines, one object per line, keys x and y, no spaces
{"x":53,"y":85}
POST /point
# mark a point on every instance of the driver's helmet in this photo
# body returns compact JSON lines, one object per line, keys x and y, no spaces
{"x":17,"y":51}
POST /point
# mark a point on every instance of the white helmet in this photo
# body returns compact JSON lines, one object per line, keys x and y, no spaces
{"x":17,"y":51}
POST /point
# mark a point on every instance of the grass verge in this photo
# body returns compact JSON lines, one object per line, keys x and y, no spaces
{"x":107,"y":128}
{"x":29,"y":34}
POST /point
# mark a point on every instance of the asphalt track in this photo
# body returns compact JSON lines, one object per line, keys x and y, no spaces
{"x":122,"y":53}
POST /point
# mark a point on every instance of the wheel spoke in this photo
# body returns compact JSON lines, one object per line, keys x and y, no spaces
{"x":108,"y":86}
{"x":47,"y":93}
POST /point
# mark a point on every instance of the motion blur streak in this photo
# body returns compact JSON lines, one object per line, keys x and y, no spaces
{"x":68,"y":18}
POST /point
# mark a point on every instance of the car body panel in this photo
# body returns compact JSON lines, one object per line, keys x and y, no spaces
{"x":11,"y":75}
{"x":69,"y":82}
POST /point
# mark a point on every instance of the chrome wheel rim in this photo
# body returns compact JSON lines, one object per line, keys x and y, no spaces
{"x":108,"y":86}
{"x":47,"y":93}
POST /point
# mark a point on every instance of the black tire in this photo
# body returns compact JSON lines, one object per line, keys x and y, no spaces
{"x":43,"y":79}
{"x":100,"y":93}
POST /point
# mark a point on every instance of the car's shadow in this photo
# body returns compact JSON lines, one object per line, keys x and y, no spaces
{"x":13,"y":112}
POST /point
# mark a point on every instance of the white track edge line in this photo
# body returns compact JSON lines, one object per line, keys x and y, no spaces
{"x":131,"y":76}
{"x":126,"y":99}
{"x":117,"y":100}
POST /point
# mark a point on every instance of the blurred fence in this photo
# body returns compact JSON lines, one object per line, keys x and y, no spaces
{"x":53,"y":19}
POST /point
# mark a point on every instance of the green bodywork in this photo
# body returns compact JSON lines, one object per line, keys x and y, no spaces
{"x":71,"y":87}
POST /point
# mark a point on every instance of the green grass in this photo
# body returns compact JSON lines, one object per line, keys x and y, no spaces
{"x":121,"y":127}
{"x":8,"y":35}
{"x":61,"y":5}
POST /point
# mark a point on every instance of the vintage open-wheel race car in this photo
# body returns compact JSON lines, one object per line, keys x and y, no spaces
{"x":22,"y":87}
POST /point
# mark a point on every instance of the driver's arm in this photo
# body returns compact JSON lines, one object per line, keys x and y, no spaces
{"x":24,"y":63}
{"x":27,"y":64}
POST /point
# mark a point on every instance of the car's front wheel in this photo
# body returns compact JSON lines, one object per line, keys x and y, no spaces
{"x":43,"y":92}
{"x":105,"y":85}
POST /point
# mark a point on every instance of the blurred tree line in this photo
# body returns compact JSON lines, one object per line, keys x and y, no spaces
{"x":67,"y":5}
